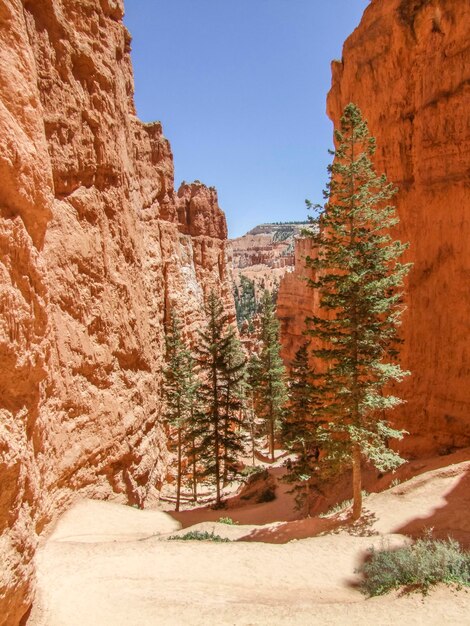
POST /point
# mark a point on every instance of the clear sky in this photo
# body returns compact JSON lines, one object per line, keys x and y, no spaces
{"x":240,"y":87}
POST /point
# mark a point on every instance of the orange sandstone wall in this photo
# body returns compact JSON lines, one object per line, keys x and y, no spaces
{"x":95,"y":247}
{"x":407,"y":66}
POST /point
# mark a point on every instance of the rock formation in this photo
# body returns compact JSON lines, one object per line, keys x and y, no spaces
{"x":265,"y":254}
{"x":407,"y":66}
{"x":96,"y":246}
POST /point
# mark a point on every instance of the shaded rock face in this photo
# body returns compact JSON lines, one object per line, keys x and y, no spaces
{"x":95,"y":248}
{"x":407,"y":66}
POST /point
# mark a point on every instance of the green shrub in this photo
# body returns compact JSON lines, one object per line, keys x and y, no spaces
{"x":421,"y":565}
{"x":253,"y":470}
{"x":198,"y":535}
{"x":337,"y":508}
{"x":227,"y":520}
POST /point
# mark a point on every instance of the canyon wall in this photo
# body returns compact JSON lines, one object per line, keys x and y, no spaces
{"x":96,"y":246}
{"x":407,"y":66}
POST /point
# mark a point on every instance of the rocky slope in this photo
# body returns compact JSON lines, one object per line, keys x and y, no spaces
{"x":96,"y":246}
{"x":407,"y":66}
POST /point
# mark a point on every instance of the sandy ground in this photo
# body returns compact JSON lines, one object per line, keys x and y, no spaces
{"x":107,"y":564}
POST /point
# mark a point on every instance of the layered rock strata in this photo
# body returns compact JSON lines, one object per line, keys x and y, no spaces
{"x":95,"y":248}
{"x":407,"y":66}
{"x":265,"y":254}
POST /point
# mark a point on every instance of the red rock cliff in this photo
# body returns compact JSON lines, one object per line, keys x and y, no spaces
{"x":407,"y":66}
{"x":95,"y":247}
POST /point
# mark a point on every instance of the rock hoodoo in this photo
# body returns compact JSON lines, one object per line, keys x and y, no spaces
{"x":96,"y":246}
{"x":407,"y":66}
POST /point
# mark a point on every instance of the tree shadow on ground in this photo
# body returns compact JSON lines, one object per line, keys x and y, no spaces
{"x":451,"y":520}
{"x":363,"y":527}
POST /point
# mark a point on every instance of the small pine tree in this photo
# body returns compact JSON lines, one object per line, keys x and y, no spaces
{"x":215,"y":423}
{"x":178,"y":391}
{"x":301,"y":428}
{"x":359,"y":280}
{"x":270,"y":385}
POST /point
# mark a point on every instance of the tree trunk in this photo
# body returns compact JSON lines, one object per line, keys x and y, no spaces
{"x":357,"y":483}
{"x":225,"y":474}
{"x":307,"y":498}
{"x":215,"y":421}
{"x":271,"y":438}
{"x":217,"y":463}
{"x":178,"y":480}
{"x":194,"y":471}
{"x":252,"y":434}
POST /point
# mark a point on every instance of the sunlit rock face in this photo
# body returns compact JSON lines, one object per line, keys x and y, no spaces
{"x":407,"y":66}
{"x":265,"y":254}
{"x":96,"y":248}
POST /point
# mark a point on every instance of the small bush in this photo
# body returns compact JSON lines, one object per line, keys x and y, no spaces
{"x":227,"y":520}
{"x":337,"y":508}
{"x":341,"y":506}
{"x":198,"y":535}
{"x":421,"y":565}
{"x":252,"y":470}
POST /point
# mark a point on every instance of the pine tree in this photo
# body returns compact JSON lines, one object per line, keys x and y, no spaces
{"x":245,"y":300}
{"x":216,"y":422}
{"x":234,"y":393}
{"x":179,"y":387}
{"x":270,"y":392}
{"x":190,"y":433}
{"x":301,"y":428}
{"x":251,"y":420}
{"x":360,"y":282}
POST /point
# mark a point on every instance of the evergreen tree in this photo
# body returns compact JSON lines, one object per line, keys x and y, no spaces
{"x":245,"y":300}
{"x":234,"y":392}
{"x":190,"y":438}
{"x":251,"y":421}
{"x":179,"y":387}
{"x":270,"y":386}
{"x":216,"y":422}
{"x":360,"y":281}
{"x":301,"y":428}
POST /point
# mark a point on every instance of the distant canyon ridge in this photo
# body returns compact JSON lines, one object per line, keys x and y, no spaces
{"x":266,"y":252}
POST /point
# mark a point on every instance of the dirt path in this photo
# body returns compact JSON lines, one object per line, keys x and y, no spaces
{"x":110,"y":565}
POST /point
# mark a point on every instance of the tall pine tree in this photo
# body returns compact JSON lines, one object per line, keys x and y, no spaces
{"x":234,"y":394}
{"x":216,"y":424}
{"x":190,"y":432}
{"x":251,"y":419}
{"x":269,"y":379}
{"x":179,"y":389}
{"x":360,"y":284}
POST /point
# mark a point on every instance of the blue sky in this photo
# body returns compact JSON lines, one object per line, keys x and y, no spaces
{"x":240,"y":87}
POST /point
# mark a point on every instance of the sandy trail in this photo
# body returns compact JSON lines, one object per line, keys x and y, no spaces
{"x":107,"y":564}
